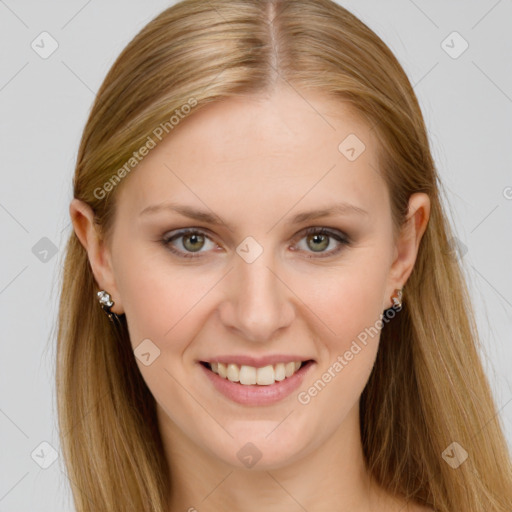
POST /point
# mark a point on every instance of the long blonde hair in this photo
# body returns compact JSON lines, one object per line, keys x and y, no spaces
{"x":427,"y":389}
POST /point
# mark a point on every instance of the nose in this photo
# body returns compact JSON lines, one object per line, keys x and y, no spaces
{"x":258,"y":303}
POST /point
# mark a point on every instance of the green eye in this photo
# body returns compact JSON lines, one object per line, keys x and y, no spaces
{"x":192,"y":241}
{"x":317,"y":241}
{"x":195,"y":242}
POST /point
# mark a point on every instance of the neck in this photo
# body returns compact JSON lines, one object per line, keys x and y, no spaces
{"x":330,"y":476}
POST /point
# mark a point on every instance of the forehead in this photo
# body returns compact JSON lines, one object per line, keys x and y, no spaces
{"x":276,"y":150}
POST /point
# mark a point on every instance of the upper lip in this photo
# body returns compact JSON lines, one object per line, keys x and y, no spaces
{"x":257,"y":362}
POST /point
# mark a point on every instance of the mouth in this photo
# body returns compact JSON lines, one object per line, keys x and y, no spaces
{"x":246,"y":375}
{"x":256,"y":386}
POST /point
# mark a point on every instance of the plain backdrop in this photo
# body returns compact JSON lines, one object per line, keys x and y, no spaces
{"x":466,"y":97}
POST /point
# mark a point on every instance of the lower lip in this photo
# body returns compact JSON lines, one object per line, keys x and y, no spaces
{"x":256,"y":394}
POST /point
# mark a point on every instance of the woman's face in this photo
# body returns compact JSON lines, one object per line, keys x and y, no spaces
{"x":250,"y":282}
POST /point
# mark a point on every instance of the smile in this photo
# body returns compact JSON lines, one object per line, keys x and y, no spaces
{"x":250,"y":375}
{"x":250,"y":385}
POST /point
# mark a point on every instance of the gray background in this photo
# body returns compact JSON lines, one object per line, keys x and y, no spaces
{"x":467,"y":103}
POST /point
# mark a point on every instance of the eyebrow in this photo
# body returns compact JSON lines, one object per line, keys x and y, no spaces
{"x":204,"y":216}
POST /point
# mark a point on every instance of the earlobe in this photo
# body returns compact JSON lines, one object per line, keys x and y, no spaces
{"x":82,"y":217}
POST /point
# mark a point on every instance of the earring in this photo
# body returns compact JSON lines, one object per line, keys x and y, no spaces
{"x":397,"y":299}
{"x":106,"y":303}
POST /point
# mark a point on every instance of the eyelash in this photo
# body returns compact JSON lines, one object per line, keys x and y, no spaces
{"x":342,"y":239}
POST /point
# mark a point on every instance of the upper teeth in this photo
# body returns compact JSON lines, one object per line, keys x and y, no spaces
{"x":250,"y":375}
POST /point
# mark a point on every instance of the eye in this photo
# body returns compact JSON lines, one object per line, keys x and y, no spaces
{"x":193,"y":240}
{"x":319,"y":239}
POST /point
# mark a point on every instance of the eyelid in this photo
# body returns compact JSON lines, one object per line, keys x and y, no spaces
{"x":333,"y":232}
{"x":341,"y":237}
{"x":176,"y":234}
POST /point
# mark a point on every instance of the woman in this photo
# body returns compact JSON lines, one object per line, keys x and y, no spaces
{"x":316,"y":349}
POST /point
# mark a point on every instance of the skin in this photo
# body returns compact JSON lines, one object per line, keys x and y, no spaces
{"x":254,"y":162}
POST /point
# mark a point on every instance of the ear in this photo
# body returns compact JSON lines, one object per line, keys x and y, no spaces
{"x":406,"y":249}
{"x":98,"y":252}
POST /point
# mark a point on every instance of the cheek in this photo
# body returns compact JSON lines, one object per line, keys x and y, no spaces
{"x":345,"y":301}
{"x":348,"y":306}
{"x":161,"y":306}
{"x":348,"y":341}
{"x":155,"y":296}
{"x":166,"y":303}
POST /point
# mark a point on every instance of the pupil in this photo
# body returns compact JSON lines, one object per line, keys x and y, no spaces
{"x":318,"y":237}
{"x":194,"y":239}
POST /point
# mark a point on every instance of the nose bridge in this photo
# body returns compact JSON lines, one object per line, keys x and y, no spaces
{"x":260,"y":302}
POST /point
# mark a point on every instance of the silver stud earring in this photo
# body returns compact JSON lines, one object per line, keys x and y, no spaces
{"x":106,"y":303}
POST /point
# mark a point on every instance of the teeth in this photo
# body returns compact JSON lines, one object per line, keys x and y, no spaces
{"x":289,"y":369}
{"x":233,"y":373}
{"x":279,"y":371}
{"x":249,"y":375}
{"x":265,"y":375}
{"x":221,"y":370}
